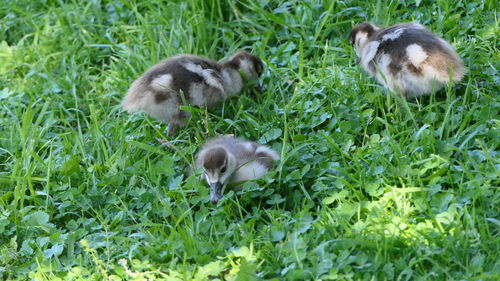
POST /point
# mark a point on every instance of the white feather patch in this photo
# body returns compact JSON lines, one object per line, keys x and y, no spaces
{"x":249,"y":171}
{"x":162,"y":83}
{"x":232,"y":81}
{"x":360,"y":41}
{"x":196,"y":95}
{"x":361,"y":38}
{"x":162,"y":111}
{"x":207,"y":74}
{"x":369,"y":53}
{"x":393,"y":35}
{"x":383,"y":74}
{"x":416,"y":54}
{"x":248,"y":146}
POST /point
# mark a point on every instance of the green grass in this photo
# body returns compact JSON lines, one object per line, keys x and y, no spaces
{"x":369,"y":188}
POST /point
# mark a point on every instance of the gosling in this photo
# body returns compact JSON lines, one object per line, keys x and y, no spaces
{"x":230,"y":160}
{"x":406,"y":58}
{"x":198,"y":81}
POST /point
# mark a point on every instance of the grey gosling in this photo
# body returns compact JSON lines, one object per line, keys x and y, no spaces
{"x":201,"y":81}
{"x":406,"y":57}
{"x":230,"y":160}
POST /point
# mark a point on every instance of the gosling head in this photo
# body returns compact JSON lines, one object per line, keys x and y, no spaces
{"x":360,"y":36}
{"x":250,"y":65}
{"x":218,"y":166}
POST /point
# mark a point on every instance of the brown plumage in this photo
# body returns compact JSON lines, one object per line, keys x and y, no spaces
{"x":198,"y":81}
{"x":230,"y":160}
{"x":406,"y":57}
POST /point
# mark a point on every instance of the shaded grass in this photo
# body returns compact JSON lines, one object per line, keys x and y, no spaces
{"x":368,"y":187}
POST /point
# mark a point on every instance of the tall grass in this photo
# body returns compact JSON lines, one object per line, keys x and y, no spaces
{"x":369,"y":187}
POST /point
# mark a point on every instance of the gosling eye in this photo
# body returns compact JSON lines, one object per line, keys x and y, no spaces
{"x":223,"y":170}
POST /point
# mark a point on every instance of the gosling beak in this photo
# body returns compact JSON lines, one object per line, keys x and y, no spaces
{"x":358,"y":60}
{"x":215,"y":192}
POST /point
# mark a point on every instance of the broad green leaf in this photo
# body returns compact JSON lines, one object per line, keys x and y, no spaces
{"x":37,"y":218}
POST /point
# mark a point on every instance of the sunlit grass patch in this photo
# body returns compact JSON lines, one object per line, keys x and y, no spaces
{"x":369,"y":187}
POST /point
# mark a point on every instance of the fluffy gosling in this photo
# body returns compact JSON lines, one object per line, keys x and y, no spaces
{"x":230,"y":160}
{"x":406,"y":57}
{"x":160,"y":91}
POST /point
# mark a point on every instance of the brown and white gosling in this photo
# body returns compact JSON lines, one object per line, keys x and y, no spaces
{"x":230,"y":160}
{"x":406,"y":57}
{"x":201,"y":81}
